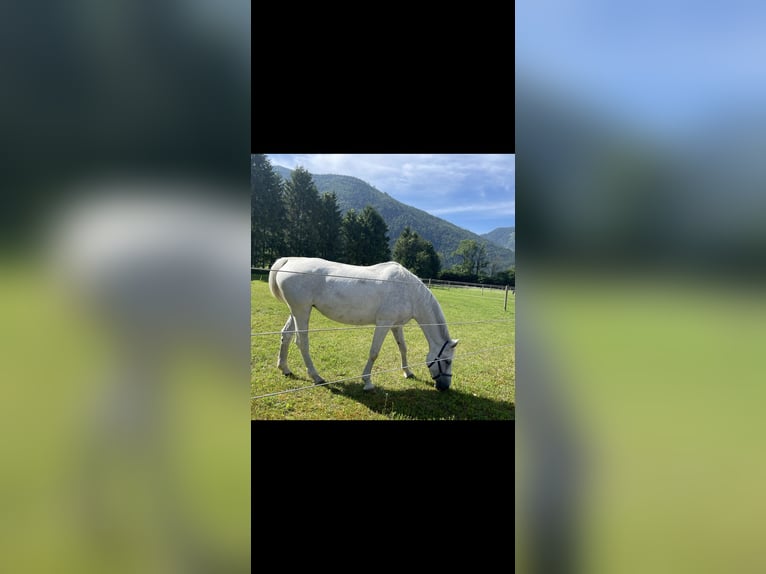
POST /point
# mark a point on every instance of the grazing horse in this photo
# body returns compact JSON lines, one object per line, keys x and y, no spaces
{"x":156,"y":271}
{"x":385,"y":295}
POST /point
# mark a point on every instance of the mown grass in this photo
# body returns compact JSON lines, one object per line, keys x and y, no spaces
{"x":483,"y":385}
{"x":658,"y":383}
{"x":76,"y":477}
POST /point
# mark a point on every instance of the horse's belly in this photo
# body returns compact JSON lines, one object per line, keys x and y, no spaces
{"x":360,"y":303}
{"x":348,"y":314}
{"x":353,"y":304}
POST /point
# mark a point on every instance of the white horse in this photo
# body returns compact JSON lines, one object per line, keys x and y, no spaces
{"x":385,"y":295}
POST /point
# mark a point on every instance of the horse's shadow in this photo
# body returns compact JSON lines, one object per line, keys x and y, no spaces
{"x":427,"y":403}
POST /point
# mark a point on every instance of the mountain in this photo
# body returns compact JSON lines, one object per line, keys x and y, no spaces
{"x":502,"y":236}
{"x":353,"y":193}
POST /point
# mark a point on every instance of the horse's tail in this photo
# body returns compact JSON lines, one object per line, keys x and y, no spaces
{"x":273,"y":287}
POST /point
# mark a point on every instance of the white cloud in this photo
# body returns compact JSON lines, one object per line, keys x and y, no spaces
{"x":493,"y":209}
{"x":414,"y":170}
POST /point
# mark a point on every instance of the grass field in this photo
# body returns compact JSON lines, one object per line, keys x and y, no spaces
{"x":661,"y":384}
{"x":64,"y":464}
{"x":483,"y":385}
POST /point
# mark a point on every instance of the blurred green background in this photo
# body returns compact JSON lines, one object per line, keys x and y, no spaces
{"x":119,"y":456}
{"x":640,"y":300}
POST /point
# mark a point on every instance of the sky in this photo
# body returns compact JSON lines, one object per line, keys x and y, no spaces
{"x":474,"y":191}
{"x":665,"y":67}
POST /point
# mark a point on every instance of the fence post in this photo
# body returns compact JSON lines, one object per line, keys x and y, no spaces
{"x":505,"y":305}
{"x":429,"y":283}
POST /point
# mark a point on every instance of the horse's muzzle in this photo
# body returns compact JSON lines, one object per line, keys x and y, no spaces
{"x":443,"y":383}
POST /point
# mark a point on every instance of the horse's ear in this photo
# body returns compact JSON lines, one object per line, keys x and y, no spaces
{"x":454,"y":343}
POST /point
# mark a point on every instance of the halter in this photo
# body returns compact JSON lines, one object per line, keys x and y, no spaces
{"x":437,"y":359}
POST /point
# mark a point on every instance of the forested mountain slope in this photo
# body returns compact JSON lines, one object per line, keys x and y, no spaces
{"x":353,"y":193}
{"x":502,"y":236}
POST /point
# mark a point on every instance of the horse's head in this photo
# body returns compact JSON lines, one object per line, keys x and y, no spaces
{"x":440,"y":364}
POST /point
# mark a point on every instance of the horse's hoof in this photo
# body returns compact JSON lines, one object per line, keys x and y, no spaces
{"x":369,"y":388}
{"x":289,"y":374}
{"x":320,"y":382}
{"x":409,"y":375}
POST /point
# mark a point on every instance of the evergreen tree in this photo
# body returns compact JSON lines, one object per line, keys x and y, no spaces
{"x":375,"y":236}
{"x":416,"y":254}
{"x":267,"y":213}
{"x":427,"y":262}
{"x":405,"y":248}
{"x":353,"y":238}
{"x":329,"y":227}
{"x":302,"y":206}
{"x":365,"y":237}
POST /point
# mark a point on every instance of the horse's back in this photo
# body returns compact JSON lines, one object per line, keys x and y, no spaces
{"x":317,"y":266}
{"x":342,"y":292}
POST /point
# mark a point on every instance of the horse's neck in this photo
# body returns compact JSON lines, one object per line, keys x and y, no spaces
{"x":431,"y":319}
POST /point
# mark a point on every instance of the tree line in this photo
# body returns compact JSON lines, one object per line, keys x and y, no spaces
{"x":290,"y":217}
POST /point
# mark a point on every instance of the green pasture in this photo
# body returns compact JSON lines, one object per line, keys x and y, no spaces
{"x":79,"y":493}
{"x":659,"y":383}
{"x":483,"y":385}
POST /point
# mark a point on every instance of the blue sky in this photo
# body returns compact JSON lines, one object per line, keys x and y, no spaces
{"x":666,"y":68}
{"x":474,"y":191}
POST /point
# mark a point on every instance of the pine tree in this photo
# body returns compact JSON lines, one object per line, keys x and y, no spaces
{"x":405,"y":248}
{"x":302,"y":206}
{"x":365,"y":237}
{"x":427,"y":262}
{"x":353,"y":239}
{"x":329,"y":227}
{"x":267,"y":212}
{"x":416,"y":254}
{"x":375,"y":237}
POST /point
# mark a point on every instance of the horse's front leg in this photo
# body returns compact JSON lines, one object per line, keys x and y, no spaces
{"x":398,"y":333}
{"x":377,"y":343}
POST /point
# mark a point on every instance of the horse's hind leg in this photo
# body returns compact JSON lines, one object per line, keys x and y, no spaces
{"x":377,"y":343}
{"x":398,"y":333}
{"x":302,"y":323}
{"x":287,"y":335}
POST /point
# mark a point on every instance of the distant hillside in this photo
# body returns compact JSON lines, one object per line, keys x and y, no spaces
{"x":353,"y":193}
{"x":502,"y":236}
